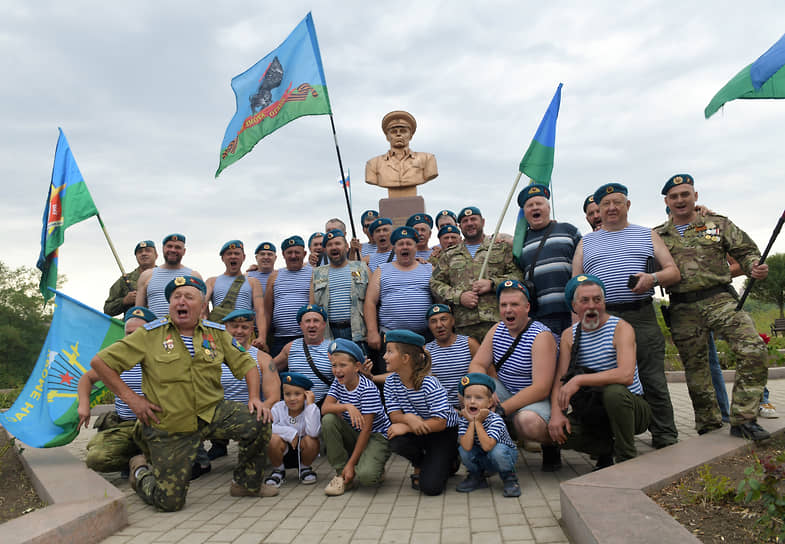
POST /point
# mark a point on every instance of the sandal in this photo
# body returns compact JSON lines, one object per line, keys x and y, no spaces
{"x":415,"y":481}
{"x":276,"y":478}
{"x":308,"y":476}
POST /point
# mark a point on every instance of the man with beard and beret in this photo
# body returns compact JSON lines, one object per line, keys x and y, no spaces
{"x":183,"y":404}
{"x":122,"y":294}
{"x":153,"y":281}
{"x":592,"y":211}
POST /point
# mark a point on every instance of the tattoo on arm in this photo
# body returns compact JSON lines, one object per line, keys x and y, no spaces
{"x":272,"y":368}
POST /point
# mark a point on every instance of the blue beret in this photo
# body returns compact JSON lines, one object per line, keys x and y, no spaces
{"x":420,"y":218}
{"x":296,"y":379}
{"x":139,"y":312}
{"x":378,"y":223}
{"x":403,"y":232}
{"x":232,"y":244}
{"x":572,"y":285}
{"x":182,"y":281}
{"x":476,"y":378}
{"x":438,"y":309}
{"x":334,"y":233}
{"x":511,"y":284}
{"x":446,"y":213}
{"x":292,"y":241}
{"x":311,"y":308}
{"x":448,"y":228}
{"x":535,"y":189}
{"x":467,"y":211}
{"x":265,"y":246}
{"x":239,"y":315}
{"x":678,"y":179}
{"x":589,"y":200}
{"x":342,"y":345}
{"x":315,"y":235}
{"x":607,"y":189}
{"x":143,"y":244}
{"x":368,"y":214}
{"x":402,"y":336}
{"x":174,"y":238}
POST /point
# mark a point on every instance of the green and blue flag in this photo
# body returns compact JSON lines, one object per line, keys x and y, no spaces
{"x":286,"y":84}
{"x":68,"y":203}
{"x":45,"y":413}
{"x":537,"y":162}
{"x":764,"y":78}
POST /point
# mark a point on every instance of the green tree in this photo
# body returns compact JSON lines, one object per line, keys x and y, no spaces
{"x":24,"y":322}
{"x":772,"y":289}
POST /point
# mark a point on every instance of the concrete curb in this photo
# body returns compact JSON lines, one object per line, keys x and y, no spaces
{"x":611,"y":506}
{"x":677,"y":376}
{"x":83,"y":507}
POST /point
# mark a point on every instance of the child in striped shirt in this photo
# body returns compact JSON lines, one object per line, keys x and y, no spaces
{"x":424,"y":426}
{"x":486,"y":445}
{"x":354,"y":423}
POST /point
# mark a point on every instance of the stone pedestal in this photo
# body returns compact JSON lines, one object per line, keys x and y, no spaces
{"x":400,"y":209}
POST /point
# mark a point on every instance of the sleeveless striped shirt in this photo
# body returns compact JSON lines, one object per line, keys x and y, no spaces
{"x":377,"y":259}
{"x":449,"y":364}
{"x":221,"y":288}
{"x":261,"y":276}
{"x":367,"y":249}
{"x":291,"y":291}
{"x":405,"y":297}
{"x":298,"y":363}
{"x":339,"y":308}
{"x":516,"y":373}
{"x":424,"y":254}
{"x":133,"y":379}
{"x":596,"y":351}
{"x":156,"y":300}
{"x":614,"y":256}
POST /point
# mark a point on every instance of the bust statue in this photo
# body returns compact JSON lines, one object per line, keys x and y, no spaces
{"x":400,"y":170}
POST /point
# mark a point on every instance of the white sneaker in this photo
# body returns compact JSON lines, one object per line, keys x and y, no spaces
{"x":335,"y":487}
{"x":767,"y":411}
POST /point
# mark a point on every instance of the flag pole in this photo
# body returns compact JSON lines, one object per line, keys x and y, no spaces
{"x":111,"y":246}
{"x":343,"y":180}
{"x":499,"y":224}
{"x":774,"y":235}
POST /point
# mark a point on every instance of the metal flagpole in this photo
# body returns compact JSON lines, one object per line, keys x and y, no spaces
{"x":111,"y":246}
{"x":343,"y":179}
{"x":499,"y":224}
{"x":774,"y":235}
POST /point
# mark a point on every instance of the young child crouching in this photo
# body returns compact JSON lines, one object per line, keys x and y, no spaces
{"x":354,"y":423}
{"x":485,"y":443}
{"x":295,"y":431}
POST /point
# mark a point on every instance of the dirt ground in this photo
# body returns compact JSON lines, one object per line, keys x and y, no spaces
{"x":718,"y":521}
{"x":17,"y":496}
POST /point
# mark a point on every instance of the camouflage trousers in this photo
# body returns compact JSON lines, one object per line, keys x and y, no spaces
{"x":690,"y":326}
{"x":111,"y":448}
{"x":172,"y":454}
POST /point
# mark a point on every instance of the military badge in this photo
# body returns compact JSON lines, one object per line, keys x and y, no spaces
{"x":138,"y":313}
{"x":179,"y":281}
{"x":168,"y":343}
{"x":207,"y":351}
{"x":236,"y":344}
{"x":465,"y":381}
{"x":292,"y":420}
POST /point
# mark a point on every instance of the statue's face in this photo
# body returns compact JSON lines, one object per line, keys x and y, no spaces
{"x":399,"y":136}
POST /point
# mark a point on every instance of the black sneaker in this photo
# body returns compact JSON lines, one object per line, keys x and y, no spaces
{"x":216,"y":451}
{"x":750,"y":430}
{"x":603,"y":461}
{"x":551,"y":458}
{"x":710,"y":427}
{"x":473,"y":481}
{"x":511,"y":486}
{"x":197,"y":470}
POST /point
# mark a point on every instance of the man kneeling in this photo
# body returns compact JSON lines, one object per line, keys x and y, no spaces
{"x":598,"y":354}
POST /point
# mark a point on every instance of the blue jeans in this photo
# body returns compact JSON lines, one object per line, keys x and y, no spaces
{"x":500,"y":459}
{"x":765,"y":399}
{"x":718,"y":381}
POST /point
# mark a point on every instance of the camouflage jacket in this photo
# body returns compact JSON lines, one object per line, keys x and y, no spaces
{"x":700,"y":253}
{"x":455,"y":271}
{"x":114,"y":303}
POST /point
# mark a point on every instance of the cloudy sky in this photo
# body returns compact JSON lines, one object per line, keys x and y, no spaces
{"x":142,"y":91}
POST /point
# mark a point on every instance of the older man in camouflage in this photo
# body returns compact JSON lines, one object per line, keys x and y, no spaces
{"x":456,"y":276}
{"x":183,"y":403}
{"x":705,"y":301}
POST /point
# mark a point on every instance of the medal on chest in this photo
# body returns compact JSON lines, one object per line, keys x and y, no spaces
{"x":292,"y":420}
{"x":168,"y":343}
{"x":208,"y":344}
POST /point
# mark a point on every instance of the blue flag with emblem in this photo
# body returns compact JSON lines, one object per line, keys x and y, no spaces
{"x":44,"y":414}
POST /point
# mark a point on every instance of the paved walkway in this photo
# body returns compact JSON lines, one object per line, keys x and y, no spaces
{"x":393,"y":513}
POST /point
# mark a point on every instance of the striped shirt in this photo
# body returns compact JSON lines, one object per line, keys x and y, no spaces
{"x":244,"y":300}
{"x":596,"y":351}
{"x":613,"y":256}
{"x":376,"y":259}
{"x":472,"y":248}
{"x":365,"y":397}
{"x":424,"y":254}
{"x":494,"y":426}
{"x":681,"y":229}
{"x":429,"y":401}
{"x":261,"y":276}
{"x":156,"y":300}
{"x":189,"y":344}
{"x":516,"y":373}
{"x":133,"y":379}
{"x":449,"y":364}
{"x":291,"y":291}
{"x":298,"y":363}
{"x":234,"y":389}
{"x":367,"y":249}
{"x":405,"y":297}
{"x":340,"y":306}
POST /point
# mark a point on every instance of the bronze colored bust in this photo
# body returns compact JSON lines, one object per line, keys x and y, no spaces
{"x":400,"y":170}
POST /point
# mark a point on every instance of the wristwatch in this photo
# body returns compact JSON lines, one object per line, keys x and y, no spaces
{"x":656,"y":281}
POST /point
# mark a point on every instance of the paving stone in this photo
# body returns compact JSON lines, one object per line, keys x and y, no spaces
{"x":425,"y":538}
{"x":281,"y":536}
{"x":549,"y":534}
{"x":516,"y":532}
{"x":395,"y":536}
{"x":486,"y":538}
{"x":456,"y":535}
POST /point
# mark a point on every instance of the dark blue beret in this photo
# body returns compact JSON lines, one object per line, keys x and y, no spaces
{"x":368,"y":214}
{"x":143,"y":244}
{"x":446,"y":213}
{"x":403,"y":232}
{"x":448,"y":228}
{"x":438,"y":309}
{"x":342,"y":345}
{"x":174,"y":238}
{"x":678,"y":179}
{"x":231,"y":244}
{"x":511,"y":284}
{"x":334,"y":233}
{"x":182,"y":281}
{"x":467,"y":211}
{"x":292,"y":241}
{"x":265,"y":246}
{"x":311,"y":308}
{"x":296,"y":379}
{"x":476,"y":378}
{"x":572,"y":285}
{"x":589,"y":200}
{"x":402,"y":336}
{"x":535,"y":189}
{"x":420,"y":218}
{"x":378,"y":223}
{"x":315,"y":235}
{"x":609,"y":189}
{"x":139,"y":312}
{"x":239,"y":315}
